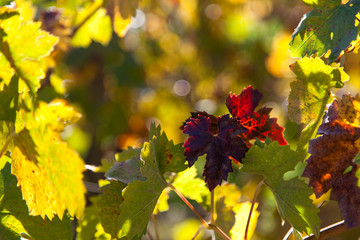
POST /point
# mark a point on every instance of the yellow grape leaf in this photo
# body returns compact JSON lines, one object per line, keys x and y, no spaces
{"x":187,"y":229}
{"x":121,"y":25}
{"x":23,"y":45}
{"x":231,"y":192}
{"x":242,"y":213}
{"x":121,"y":13}
{"x":97,"y":27}
{"x":49,"y":173}
{"x":162,"y":203}
{"x":191,"y":186}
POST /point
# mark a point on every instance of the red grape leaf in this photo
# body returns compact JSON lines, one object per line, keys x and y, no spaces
{"x":219,"y":145}
{"x":244,"y":104}
{"x":332,"y":156}
{"x":258,"y":124}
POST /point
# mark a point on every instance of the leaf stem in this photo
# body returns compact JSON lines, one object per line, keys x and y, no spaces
{"x":156,"y":226}
{"x":203,"y":222}
{"x":252,"y":207}
{"x":149,"y":235}
{"x":329,"y":231}
{"x":197,"y":232}
{"x":212,"y":218}
{"x":3,"y":149}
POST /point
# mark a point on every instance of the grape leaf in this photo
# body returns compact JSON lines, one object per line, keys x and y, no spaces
{"x":121,"y":13}
{"x":5,"y":2}
{"x":15,"y":220}
{"x":191,"y":186}
{"x":310,"y":92}
{"x":231,"y":214}
{"x":140,"y":197}
{"x":331,"y":165}
{"x":242,"y":211}
{"x":126,"y":171}
{"x":170,"y":156}
{"x":225,"y":138}
{"x":258,"y":124}
{"x":330,"y":26}
{"x":97,"y":27}
{"x":292,"y":196}
{"x":219,"y":145}
{"x":9,"y":100}
{"x":109,"y":203}
{"x":22,"y":49}
{"x":40,"y":162}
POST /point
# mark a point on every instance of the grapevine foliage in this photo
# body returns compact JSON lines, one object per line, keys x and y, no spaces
{"x":225,"y":138}
{"x":292,"y":196}
{"x":41,"y":176}
{"x":129,"y":210}
{"x":330,"y":26}
{"x":331,"y":165}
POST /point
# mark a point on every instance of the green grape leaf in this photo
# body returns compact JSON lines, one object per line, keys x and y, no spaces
{"x":15,"y":220}
{"x":109,"y":203}
{"x":40,"y":162}
{"x":225,"y":216}
{"x":9,"y":100}
{"x":5,"y":2}
{"x":126,"y":171}
{"x":137,"y":201}
{"x":292,"y":196}
{"x":330,"y":26}
{"x":169,"y":156}
{"x":23,"y":46}
{"x":140,"y":197}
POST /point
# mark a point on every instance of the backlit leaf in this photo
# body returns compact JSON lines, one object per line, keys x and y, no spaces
{"x":191,"y":186}
{"x":331,"y":165}
{"x":97,"y":28}
{"x":23,"y":45}
{"x":169,"y":155}
{"x":310,"y":92}
{"x":15,"y":219}
{"x":242,"y":211}
{"x":258,"y":124}
{"x":40,"y":161}
{"x":330,"y":26}
{"x":109,"y":203}
{"x":292,"y":196}
{"x":219,"y":144}
{"x":126,"y":171}
{"x":137,"y":201}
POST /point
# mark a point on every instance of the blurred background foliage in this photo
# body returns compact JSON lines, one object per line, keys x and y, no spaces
{"x":177,"y":56}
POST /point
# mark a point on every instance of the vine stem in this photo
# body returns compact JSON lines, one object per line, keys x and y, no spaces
{"x":325,"y":232}
{"x":197,"y":233}
{"x":252,"y":207}
{"x":329,"y":231}
{"x":212,"y":213}
{"x":156,"y":226}
{"x":3,"y":149}
{"x":203,"y":222}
